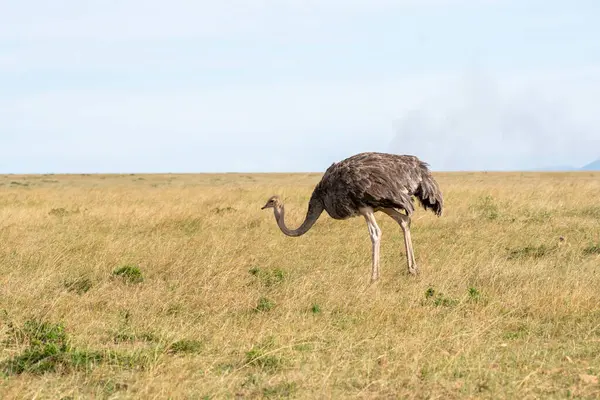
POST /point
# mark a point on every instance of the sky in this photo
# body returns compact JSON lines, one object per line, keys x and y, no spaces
{"x":293,"y":85}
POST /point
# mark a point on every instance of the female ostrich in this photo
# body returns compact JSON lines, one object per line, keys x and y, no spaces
{"x":364,"y":184}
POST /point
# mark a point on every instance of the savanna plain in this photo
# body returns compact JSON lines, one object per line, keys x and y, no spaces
{"x":180,"y":286}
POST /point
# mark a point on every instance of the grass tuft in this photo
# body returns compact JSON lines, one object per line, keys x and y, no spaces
{"x":185,"y":346}
{"x":264,"y":304}
{"x":592,"y":249}
{"x":439,"y":299}
{"x":129,"y":274}
{"x":474,"y":294}
{"x":268,"y":277}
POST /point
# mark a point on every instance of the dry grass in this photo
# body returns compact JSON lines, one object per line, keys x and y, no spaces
{"x":180,"y":286}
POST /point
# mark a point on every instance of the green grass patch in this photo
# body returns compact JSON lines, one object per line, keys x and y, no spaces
{"x":438,"y":299}
{"x":592,"y":249}
{"x":47,"y":349}
{"x":268,"y":277}
{"x":185,"y":346}
{"x":129,"y":274}
{"x":264,"y":304}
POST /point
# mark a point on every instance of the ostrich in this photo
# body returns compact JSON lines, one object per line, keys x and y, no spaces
{"x":364,"y":184}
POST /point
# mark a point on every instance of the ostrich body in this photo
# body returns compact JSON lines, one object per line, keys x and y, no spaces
{"x":364,"y":184}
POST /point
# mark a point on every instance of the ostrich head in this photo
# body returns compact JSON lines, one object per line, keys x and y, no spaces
{"x":273,"y":202}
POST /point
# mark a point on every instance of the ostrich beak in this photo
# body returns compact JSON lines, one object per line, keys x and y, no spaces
{"x":263,"y":207}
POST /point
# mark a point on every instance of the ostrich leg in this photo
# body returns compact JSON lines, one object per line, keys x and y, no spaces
{"x":375,"y":234}
{"x":404,"y":222}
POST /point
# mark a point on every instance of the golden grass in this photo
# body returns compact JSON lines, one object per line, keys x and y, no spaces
{"x":231,"y":308}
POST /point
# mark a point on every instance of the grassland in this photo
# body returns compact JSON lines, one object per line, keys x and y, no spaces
{"x":179,"y":286}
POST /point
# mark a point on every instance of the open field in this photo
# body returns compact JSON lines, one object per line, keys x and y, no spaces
{"x":179,"y":286}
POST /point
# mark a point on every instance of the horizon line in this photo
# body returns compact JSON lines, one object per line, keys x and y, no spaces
{"x":277,"y":172}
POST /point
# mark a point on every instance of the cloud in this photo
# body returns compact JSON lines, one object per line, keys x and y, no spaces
{"x":478,"y":122}
{"x":494,"y":123}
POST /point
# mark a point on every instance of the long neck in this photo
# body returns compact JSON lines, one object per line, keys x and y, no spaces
{"x":315,"y":208}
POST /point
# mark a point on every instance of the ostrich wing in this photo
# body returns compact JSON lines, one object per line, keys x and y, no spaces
{"x":371,"y":180}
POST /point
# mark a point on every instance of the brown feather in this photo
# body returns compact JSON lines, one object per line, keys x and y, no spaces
{"x":378,"y":180}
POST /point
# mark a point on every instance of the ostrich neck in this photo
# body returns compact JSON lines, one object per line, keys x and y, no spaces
{"x":315,"y":208}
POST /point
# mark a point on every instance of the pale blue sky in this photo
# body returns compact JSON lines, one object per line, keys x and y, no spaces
{"x":290,"y":85}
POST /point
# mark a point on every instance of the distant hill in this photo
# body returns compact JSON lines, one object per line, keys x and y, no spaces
{"x":593,"y":166}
